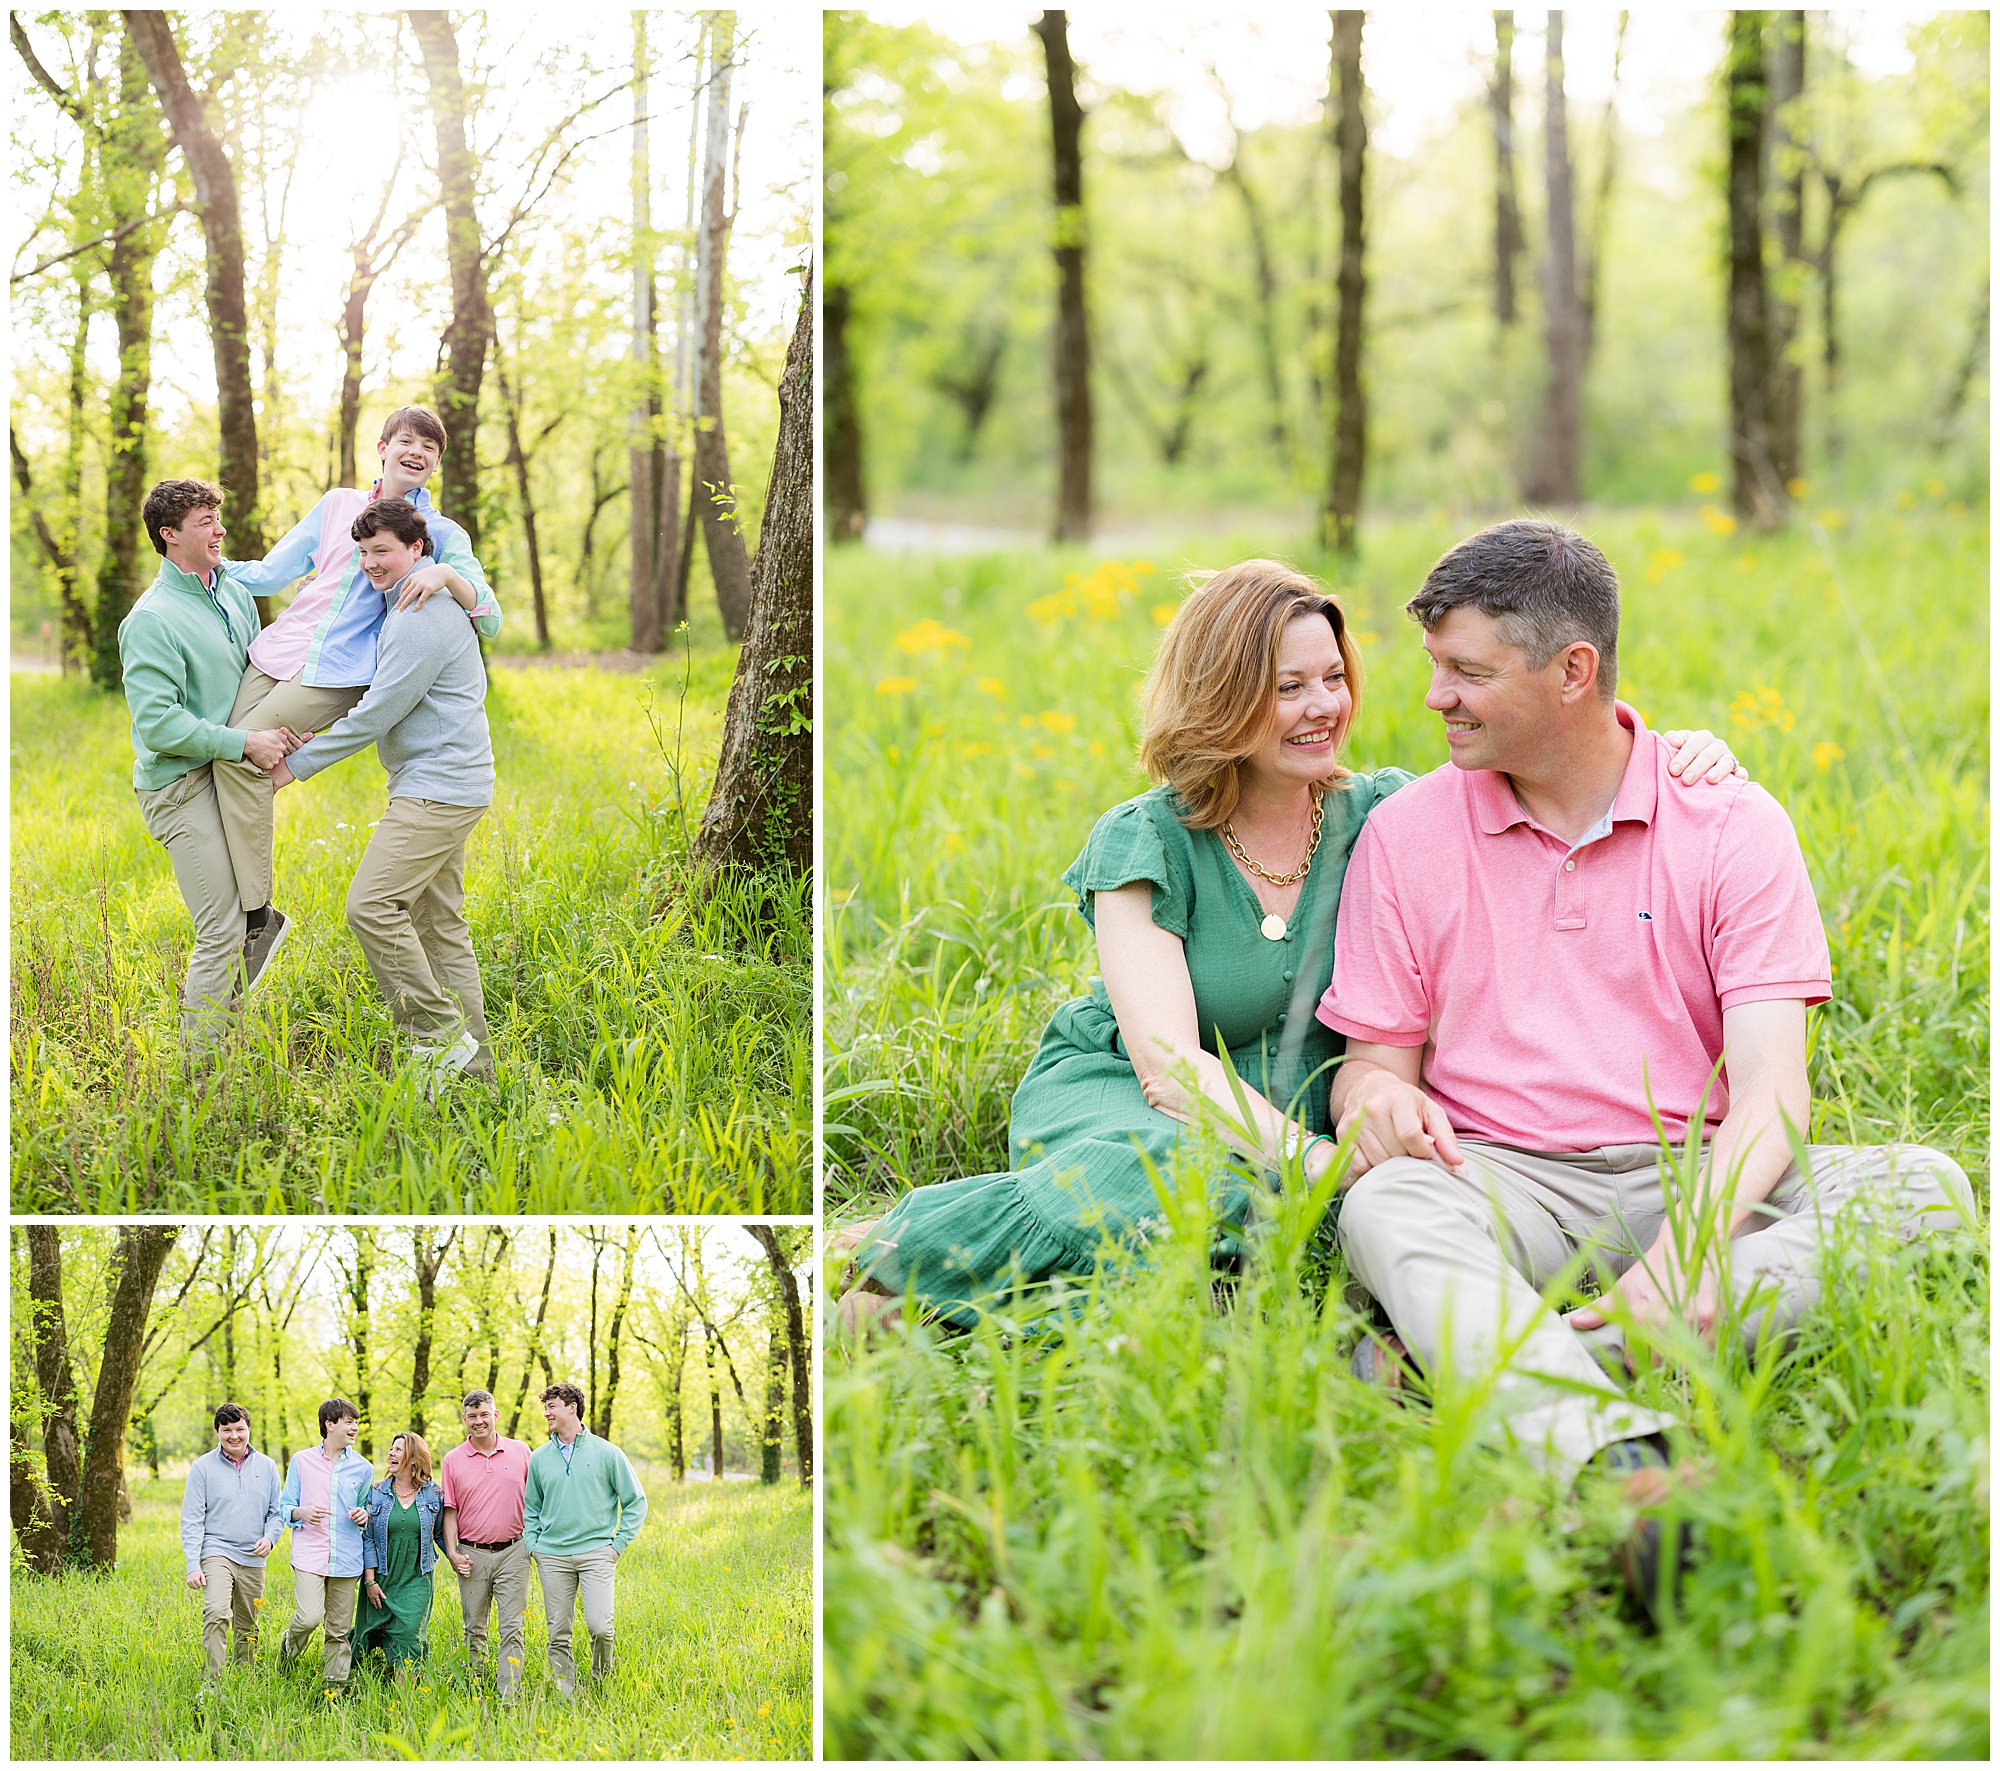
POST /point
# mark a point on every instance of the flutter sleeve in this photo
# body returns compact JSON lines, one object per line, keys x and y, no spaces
{"x":1141,"y":839}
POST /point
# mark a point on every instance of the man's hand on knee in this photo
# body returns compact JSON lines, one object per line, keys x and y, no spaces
{"x":1396,"y":1119}
{"x":1647,"y":1291}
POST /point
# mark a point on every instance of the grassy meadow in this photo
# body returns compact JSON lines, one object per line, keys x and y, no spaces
{"x":654,"y":1055}
{"x":1167,"y":1522}
{"x":714,"y":1655}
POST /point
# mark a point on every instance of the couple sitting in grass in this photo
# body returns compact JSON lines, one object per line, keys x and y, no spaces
{"x":572,"y":1507}
{"x":1576,"y":939}
{"x":224,"y":716}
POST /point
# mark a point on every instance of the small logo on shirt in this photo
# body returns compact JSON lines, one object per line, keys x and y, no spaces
{"x":1645,"y":916}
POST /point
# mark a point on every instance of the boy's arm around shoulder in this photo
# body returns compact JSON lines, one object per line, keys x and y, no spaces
{"x":456,"y":552}
{"x":412,"y":651}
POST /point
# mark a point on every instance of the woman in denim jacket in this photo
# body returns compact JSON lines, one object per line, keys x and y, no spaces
{"x":399,"y":1549}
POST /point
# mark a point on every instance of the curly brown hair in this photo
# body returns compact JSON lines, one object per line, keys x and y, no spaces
{"x":168,"y":504}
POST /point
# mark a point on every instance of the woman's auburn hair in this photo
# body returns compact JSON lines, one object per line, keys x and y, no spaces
{"x":1210,"y":697}
{"x":415,"y":1453}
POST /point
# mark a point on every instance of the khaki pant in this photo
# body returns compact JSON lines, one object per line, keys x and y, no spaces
{"x":565,"y":1579}
{"x":232,"y":1595}
{"x":407,"y":909}
{"x":244,"y":791}
{"x":499,"y":1580}
{"x":183,"y":818}
{"x":323,"y":1600}
{"x":1458,"y":1264}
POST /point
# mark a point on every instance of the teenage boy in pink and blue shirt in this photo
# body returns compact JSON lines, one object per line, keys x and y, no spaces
{"x":1539,"y":948}
{"x":317,"y":659}
{"x":324,"y":1503}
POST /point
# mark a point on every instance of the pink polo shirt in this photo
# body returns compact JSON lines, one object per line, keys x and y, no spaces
{"x":487,"y":1489}
{"x":1552,"y":987}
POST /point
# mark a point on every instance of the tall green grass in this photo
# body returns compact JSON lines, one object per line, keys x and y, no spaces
{"x":1170,"y":1523}
{"x":654,"y":1051}
{"x":714,"y":1655}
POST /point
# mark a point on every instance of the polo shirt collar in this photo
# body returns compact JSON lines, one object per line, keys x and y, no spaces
{"x":1637,"y":798}
{"x":421,"y":497}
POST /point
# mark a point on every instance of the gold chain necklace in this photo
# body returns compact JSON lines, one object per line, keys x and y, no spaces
{"x":1304,"y":867}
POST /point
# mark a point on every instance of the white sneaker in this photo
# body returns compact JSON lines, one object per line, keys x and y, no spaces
{"x":440,"y":1064}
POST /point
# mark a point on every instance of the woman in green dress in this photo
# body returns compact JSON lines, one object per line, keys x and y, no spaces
{"x":1213,"y":899}
{"x":400,"y":1545}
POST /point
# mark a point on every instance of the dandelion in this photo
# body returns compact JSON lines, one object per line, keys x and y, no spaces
{"x":954,"y":844}
{"x":976,"y":749}
{"x":1163,"y":613}
{"x":1797,"y":487}
{"x":764,"y":1709}
{"x":1825,"y":755}
{"x":928,"y":636}
{"x":1933,"y":488}
{"x":1056,"y":721}
{"x":1663,"y":561}
{"x":1705,"y":482}
{"x":992,"y":685}
{"x":1719,"y":522}
{"x":1760,"y":706}
{"x":895,"y":685}
{"x":1834,"y":519}
{"x":1746,"y":562}
{"x":1097,"y":747}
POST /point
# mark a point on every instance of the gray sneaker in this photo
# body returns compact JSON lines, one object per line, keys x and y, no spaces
{"x":258,"y":948}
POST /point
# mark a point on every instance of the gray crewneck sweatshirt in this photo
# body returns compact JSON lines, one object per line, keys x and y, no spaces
{"x":227,"y":1507}
{"x":425,"y":713}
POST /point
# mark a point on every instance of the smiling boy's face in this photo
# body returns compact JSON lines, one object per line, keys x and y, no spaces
{"x":408,"y":457}
{"x":384,"y":559}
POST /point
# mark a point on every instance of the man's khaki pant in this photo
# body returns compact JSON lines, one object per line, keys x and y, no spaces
{"x":244,"y":791}
{"x":183,"y":818}
{"x":407,"y":909}
{"x":233,"y":1594}
{"x":565,"y":1579}
{"x":323,"y":1600}
{"x":499,"y":1580}
{"x":1458,"y":1262}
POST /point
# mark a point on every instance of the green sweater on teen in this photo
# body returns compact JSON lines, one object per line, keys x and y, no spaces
{"x":183,"y":648}
{"x":592,"y":1502}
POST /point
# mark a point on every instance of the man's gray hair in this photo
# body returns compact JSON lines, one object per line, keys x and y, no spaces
{"x":1545,"y":587}
{"x":473,"y":1398}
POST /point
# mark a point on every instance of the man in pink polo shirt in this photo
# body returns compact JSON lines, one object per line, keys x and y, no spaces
{"x":485,"y":1480}
{"x":1539,"y":946}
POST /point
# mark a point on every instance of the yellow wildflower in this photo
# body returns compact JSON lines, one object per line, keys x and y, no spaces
{"x":1055,"y":720}
{"x":764,"y":1709}
{"x":1746,"y":562}
{"x":929,"y":636}
{"x":954,"y":844}
{"x":1933,"y":488}
{"x":1797,"y":487}
{"x":1163,"y":613}
{"x":1663,"y":561}
{"x":895,"y":685}
{"x":1719,"y":521}
{"x":1705,"y":482}
{"x":1905,"y":498}
{"x":992,"y":685}
{"x":1761,"y":706}
{"x":1834,"y":519}
{"x":1825,"y":755}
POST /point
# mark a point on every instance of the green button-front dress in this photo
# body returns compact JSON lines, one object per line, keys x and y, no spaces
{"x":397,"y":1625}
{"x":1080,"y":1118}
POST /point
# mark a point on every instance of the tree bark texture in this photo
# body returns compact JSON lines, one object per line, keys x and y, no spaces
{"x":714,"y":1406}
{"x":62,"y":561}
{"x":1787,"y":185}
{"x":1554,"y":475}
{"x":141,"y":1252}
{"x":728,"y":559}
{"x":46,"y":1535}
{"x":771,"y":1446}
{"x":133,"y":158}
{"x":611,"y":1372}
{"x":470,"y":332}
{"x":1753,"y":485}
{"x":760,"y":810}
{"x":846,"y":489}
{"x":800,"y":1351}
{"x":647,"y":582}
{"x":1507,"y":241}
{"x":1350,"y":423}
{"x":1267,"y":302}
{"x":357,"y":1295}
{"x":1592,"y":253}
{"x":228,"y":315}
{"x":427,"y":1258}
{"x":524,"y":497}
{"x":1074,"y":498}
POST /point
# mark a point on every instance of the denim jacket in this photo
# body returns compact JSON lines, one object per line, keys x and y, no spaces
{"x":375,"y":1534}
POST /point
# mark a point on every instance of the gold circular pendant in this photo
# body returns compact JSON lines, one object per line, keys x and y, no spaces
{"x":1273,"y":927}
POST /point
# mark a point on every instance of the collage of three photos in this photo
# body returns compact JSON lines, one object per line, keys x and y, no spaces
{"x":999,"y":884}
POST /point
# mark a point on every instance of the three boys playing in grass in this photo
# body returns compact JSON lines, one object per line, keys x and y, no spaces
{"x":225,"y":715}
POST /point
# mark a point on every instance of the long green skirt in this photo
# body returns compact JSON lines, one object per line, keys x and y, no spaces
{"x":398,"y":1625}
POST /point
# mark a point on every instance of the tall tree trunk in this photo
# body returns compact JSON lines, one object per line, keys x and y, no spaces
{"x":517,"y":459}
{"x":1753,"y":489}
{"x":141,"y":1252}
{"x":427,"y":1258}
{"x":357,"y":1295}
{"x":229,"y":1308}
{"x":648,"y":623}
{"x":133,"y":158}
{"x":1600,"y":207}
{"x":534,"y":1340}
{"x":676,"y":1415}
{"x":1507,"y":241}
{"x":228,"y":316}
{"x":76,"y":634}
{"x":728,"y":559}
{"x":1788,"y":202}
{"x":1968,"y":366}
{"x":1350,"y":423}
{"x":1554,"y":477}
{"x":470,"y":331}
{"x":42,"y":1542}
{"x":603,"y":1427}
{"x":62,"y":561}
{"x":760,"y":809}
{"x":1267,"y":303}
{"x":799,"y":1348}
{"x":1074,"y":500}
{"x":56,"y":1383}
{"x":714,"y":1406}
{"x":771,"y":1439}
{"x":846,"y":490}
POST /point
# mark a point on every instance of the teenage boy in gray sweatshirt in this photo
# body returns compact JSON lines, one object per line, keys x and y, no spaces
{"x":425,"y":713}
{"x":229,"y":1524}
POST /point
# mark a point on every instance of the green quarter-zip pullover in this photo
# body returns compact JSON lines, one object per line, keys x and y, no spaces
{"x":183,"y":648}
{"x":588,"y":1501}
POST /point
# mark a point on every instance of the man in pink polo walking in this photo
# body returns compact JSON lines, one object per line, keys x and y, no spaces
{"x":484,"y":1481}
{"x":1539,"y":946}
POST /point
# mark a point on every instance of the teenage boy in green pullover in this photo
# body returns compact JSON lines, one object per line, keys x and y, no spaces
{"x":583,"y":1506}
{"x":183,"y":648}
